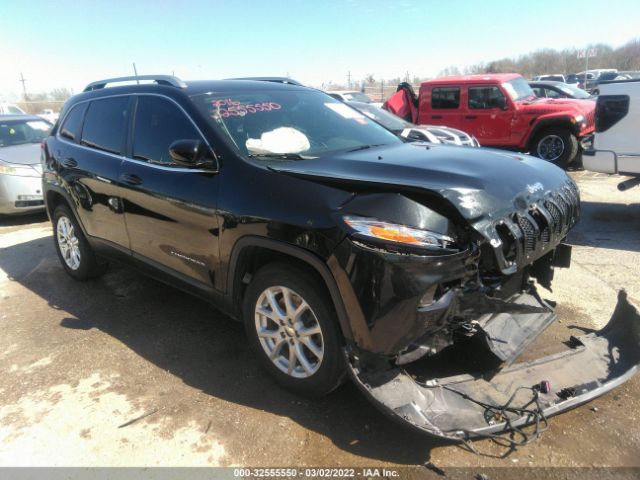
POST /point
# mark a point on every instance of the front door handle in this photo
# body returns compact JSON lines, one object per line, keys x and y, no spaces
{"x":130,"y":179}
{"x":69,"y":163}
{"x":436,"y":117}
{"x":470,"y":117}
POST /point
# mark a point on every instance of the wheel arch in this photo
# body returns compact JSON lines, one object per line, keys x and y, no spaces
{"x":251,"y":253}
{"x":543,"y":124}
{"x":55,"y":197}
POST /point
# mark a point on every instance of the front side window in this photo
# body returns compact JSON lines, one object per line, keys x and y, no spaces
{"x":73,"y":122}
{"x":279,"y":122}
{"x":105,"y":124}
{"x":485,"y":98}
{"x":159,"y":123}
{"x":539,"y":92}
{"x":552,"y":93}
{"x":445,"y":98}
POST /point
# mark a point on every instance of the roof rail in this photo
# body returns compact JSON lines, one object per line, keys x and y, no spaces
{"x":286,"y":80}
{"x":160,"y":79}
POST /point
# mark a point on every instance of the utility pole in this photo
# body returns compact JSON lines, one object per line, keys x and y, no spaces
{"x":24,"y":88}
{"x":349,"y":80}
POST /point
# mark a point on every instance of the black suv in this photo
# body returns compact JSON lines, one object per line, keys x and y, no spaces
{"x":342,"y":248}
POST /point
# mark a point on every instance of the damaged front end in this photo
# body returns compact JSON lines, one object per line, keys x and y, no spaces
{"x":414,"y":315}
{"x":497,"y":400}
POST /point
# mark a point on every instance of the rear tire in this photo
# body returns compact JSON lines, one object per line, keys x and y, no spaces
{"x":557,"y":146}
{"x":75,"y":254}
{"x":282,"y":338}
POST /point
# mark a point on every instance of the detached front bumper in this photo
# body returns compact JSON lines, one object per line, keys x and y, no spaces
{"x":464,"y":406}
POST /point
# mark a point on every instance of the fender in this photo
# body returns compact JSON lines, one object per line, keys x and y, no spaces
{"x":538,"y":124}
{"x":300,"y":253}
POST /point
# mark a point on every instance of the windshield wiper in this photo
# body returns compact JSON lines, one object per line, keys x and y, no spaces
{"x":364,"y":147}
{"x":285,"y":156}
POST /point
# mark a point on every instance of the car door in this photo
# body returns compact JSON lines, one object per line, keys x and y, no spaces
{"x":488,"y":115}
{"x":169,"y":209}
{"x":440,"y":106}
{"x":88,"y":157}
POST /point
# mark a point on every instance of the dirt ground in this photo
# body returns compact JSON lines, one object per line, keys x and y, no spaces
{"x":78,"y":361}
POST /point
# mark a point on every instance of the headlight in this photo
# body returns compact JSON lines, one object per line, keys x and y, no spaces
{"x":18,"y":170}
{"x":400,"y":234}
{"x":578,"y":119}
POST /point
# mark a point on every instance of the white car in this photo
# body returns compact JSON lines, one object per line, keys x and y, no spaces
{"x":10,"y":109}
{"x":352,"y":96}
{"x":49,"y":115}
{"x":615,"y":146}
{"x":411,"y":131}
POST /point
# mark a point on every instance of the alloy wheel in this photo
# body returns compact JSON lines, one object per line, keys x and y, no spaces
{"x":289,"y":332}
{"x":68,"y":243}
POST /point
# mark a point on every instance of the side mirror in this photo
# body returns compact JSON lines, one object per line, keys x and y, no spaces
{"x":501,"y":103}
{"x":190,"y":153}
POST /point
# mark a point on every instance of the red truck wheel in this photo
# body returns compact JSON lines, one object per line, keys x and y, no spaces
{"x":557,"y":146}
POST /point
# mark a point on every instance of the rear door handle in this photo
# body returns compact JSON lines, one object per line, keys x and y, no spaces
{"x":437,"y":117}
{"x":130,"y":179}
{"x":69,"y":163}
{"x":471,"y":117}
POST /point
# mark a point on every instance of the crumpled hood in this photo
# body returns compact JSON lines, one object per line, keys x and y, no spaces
{"x":25,"y":154}
{"x":483,"y":184}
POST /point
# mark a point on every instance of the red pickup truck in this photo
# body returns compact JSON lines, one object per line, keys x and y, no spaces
{"x":500,"y":110}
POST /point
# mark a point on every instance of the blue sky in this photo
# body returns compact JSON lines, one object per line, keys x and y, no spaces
{"x":68,"y":43}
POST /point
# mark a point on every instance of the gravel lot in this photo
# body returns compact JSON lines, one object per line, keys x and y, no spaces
{"x":80,"y":360}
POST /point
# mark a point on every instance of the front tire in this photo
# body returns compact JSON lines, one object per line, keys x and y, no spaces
{"x":76,"y":255}
{"x":557,"y":146}
{"x":290,"y":324}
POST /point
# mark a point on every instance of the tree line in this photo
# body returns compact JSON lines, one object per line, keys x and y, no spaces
{"x":626,"y":57}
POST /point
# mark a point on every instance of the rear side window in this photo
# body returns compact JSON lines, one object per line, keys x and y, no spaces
{"x":610,"y":109}
{"x":445,"y":98}
{"x":159,"y":123}
{"x":73,"y":123}
{"x":105,"y":124}
{"x":481,"y":98}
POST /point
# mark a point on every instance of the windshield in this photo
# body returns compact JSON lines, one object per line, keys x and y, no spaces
{"x":518,"y":89}
{"x":18,"y":132}
{"x":386,"y":119}
{"x":574,"y":91}
{"x":282,"y":122}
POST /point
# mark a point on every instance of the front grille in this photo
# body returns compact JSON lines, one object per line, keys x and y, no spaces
{"x":526,"y":236}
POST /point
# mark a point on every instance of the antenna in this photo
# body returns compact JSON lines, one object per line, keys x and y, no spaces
{"x":135,"y":70}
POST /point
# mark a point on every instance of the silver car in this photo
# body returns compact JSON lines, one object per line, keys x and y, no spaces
{"x":20,"y":168}
{"x":411,"y":131}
